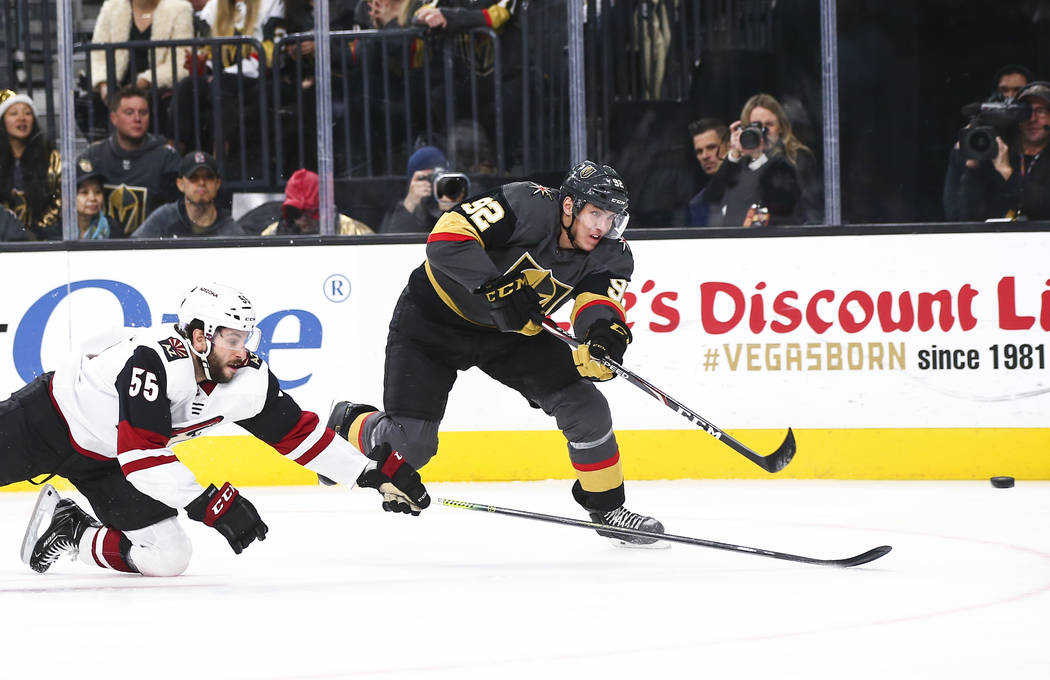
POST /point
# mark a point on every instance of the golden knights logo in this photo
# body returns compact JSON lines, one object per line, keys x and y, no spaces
{"x":546,"y":192}
{"x":18,"y":205}
{"x":551,"y":290}
{"x":126,"y":205}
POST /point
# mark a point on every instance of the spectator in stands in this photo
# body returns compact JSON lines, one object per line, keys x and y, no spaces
{"x":765,"y":109}
{"x":11,"y":229}
{"x":91,"y":221}
{"x":477,"y":52}
{"x":30,"y":169}
{"x":300,"y":212}
{"x":709,"y":137}
{"x":140,"y":168}
{"x":238,"y":68}
{"x":125,"y":20}
{"x":420,"y":209}
{"x":196,"y":214}
{"x":200,"y":28}
{"x":772,"y":181}
{"x":1010,"y":80}
{"x":1016,"y":183}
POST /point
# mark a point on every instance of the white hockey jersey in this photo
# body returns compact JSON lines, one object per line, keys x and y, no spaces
{"x":138,"y":397}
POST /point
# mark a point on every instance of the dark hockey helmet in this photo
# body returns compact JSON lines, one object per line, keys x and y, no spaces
{"x":600,"y":185}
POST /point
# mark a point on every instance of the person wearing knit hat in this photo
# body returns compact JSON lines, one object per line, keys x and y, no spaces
{"x":30,"y":168}
{"x":427,"y":196}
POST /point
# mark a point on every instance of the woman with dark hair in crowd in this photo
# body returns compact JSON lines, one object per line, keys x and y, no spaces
{"x":30,"y":169}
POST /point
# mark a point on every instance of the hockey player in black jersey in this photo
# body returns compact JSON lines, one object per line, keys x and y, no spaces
{"x":495,"y":266}
{"x":107,"y":422}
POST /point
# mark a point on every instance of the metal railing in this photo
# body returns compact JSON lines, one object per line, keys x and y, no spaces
{"x":203,"y":96}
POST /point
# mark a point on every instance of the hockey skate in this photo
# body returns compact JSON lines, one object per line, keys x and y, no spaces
{"x":344,"y":413}
{"x":62,"y":536}
{"x":624,"y":518}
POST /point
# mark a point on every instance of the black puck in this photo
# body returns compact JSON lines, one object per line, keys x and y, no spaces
{"x":1002,"y":482}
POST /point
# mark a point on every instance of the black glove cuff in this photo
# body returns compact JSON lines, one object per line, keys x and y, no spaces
{"x":197,"y":508}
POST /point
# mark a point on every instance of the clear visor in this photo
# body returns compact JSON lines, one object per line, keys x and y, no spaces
{"x":236,"y":341}
{"x":619,"y":224}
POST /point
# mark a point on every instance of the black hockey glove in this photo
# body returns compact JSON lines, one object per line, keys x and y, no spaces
{"x":402,"y":489}
{"x":229,"y":513}
{"x":606,"y":338}
{"x":515,"y":305}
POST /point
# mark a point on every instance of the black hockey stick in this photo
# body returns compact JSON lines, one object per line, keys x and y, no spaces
{"x":863,"y":558}
{"x":774,"y":462}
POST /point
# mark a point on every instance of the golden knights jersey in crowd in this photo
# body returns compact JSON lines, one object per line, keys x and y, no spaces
{"x":517,"y":227}
{"x":135,"y":399}
{"x":463,"y":15}
{"x":137,"y":181}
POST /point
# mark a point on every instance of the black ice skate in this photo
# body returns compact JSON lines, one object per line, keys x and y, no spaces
{"x":344,"y":413}
{"x":622,"y":517}
{"x":63,"y":534}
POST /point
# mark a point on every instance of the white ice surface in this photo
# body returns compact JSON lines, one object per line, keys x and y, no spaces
{"x":343,"y":590}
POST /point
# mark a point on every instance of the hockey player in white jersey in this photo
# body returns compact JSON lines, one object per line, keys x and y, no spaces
{"x":107,"y":423}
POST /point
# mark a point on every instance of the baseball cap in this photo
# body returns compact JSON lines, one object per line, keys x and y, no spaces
{"x":1036,"y":88}
{"x":197,"y":159}
{"x":87,"y":170}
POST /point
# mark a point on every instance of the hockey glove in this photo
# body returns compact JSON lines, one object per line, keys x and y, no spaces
{"x":402,"y":489}
{"x":229,"y":513}
{"x":606,"y":338}
{"x":515,"y":305}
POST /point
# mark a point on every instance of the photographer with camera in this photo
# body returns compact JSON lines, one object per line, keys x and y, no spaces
{"x":760,"y":182}
{"x":994,"y":171}
{"x":433,"y":188}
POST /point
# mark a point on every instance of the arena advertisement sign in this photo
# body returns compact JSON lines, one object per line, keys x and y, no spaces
{"x":891,"y":356}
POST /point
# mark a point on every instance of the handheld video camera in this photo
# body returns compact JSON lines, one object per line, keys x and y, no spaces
{"x":450,"y":184}
{"x":753,"y":135}
{"x":988,"y":120}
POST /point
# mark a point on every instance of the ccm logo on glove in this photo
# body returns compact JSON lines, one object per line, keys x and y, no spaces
{"x":229,"y":513}
{"x":606,"y":338}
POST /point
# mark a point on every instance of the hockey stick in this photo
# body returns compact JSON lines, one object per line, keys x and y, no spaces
{"x":774,"y":462}
{"x":863,"y":558}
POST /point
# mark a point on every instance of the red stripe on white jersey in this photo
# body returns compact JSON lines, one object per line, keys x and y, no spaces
{"x":131,"y":438}
{"x":146,"y":463}
{"x":76,"y":447}
{"x":297,"y":435}
{"x":316,"y":449}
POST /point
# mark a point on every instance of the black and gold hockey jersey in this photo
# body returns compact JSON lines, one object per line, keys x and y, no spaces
{"x":137,"y":182}
{"x":516,"y":228}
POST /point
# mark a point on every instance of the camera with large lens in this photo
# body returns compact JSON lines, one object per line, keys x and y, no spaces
{"x":449,"y":184}
{"x":988,"y":120}
{"x":753,"y":135}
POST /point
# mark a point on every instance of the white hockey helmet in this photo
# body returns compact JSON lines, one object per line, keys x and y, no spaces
{"x":215,"y":306}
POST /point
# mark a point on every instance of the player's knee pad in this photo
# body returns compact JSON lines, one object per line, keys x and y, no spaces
{"x":415,"y":439}
{"x":581,"y":411}
{"x":161,"y":549}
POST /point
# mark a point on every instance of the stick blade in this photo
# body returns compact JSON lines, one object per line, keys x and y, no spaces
{"x":778,"y":460}
{"x":865,"y":557}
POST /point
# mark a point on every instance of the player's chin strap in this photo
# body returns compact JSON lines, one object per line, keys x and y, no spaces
{"x":205,"y":366}
{"x":568,"y":230}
